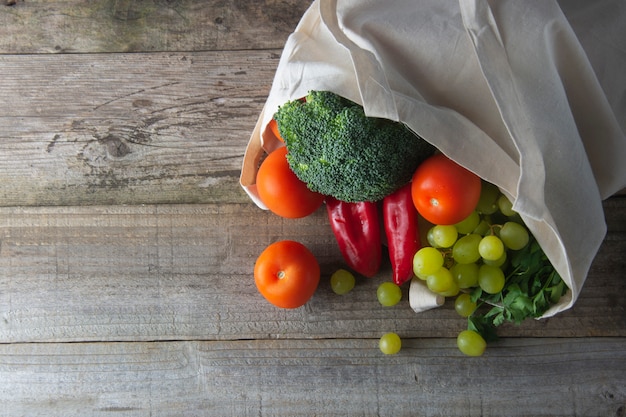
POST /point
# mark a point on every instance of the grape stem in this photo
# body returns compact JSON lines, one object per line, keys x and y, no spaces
{"x":447,"y":257}
{"x":492,"y":227}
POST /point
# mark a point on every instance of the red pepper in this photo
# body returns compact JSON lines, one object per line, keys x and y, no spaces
{"x":401,"y":228}
{"x":357,"y":230}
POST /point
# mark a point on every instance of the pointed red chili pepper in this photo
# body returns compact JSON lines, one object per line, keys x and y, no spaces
{"x":402,"y":231}
{"x":357,"y":230}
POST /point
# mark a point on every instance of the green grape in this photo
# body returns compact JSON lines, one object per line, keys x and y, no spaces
{"x":491,"y":248}
{"x":517,"y":219}
{"x":444,"y":236}
{"x":489,"y":193}
{"x":422,"y":277}
{"x":468,"y":224}
{"x":514,"y":235}
{"x":440,"y":281}
{"x":505,"y":205}
{"x":426,"y":261}
{"x":464,"y":305}
{"x":471,"y":343}
{"x":466,"y":275}
{"x":389,"y":294}
{"x":465,"y":250}
{"x":390,"y":343}
{"x":490,"y":279}
{"x":452,"y":291}
{"x":498,"y":262}
{"x":342,"y":281}
{"x":483,"y":228}
{"x":430,"y":237}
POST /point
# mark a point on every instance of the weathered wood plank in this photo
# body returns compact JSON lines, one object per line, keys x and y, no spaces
{"x":184,"y":272}
{"x":151,"y":309}
{"x":44,"y":26}
{"x":128,"y":128}
{"x":341,"y":377}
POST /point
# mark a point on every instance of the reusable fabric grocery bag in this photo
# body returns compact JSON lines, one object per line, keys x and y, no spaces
{"x":504,"y":88}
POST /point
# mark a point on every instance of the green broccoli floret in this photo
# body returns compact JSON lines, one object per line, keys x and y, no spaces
{"x":338,"y":151}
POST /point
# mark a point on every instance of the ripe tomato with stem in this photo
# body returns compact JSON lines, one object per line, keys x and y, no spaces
{"x":444,"y":192}
{"x":287,"y":274}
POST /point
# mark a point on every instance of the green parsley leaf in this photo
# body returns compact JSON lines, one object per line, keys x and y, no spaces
{"x":532,"y":286}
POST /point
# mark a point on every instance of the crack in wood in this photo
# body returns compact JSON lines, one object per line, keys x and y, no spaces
{"x":133,"y":93}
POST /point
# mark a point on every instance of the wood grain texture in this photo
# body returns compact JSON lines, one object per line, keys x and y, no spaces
{"x":184,"y":272}
{"x":80,"y":26}
{"x":128,"y":128}
{"x":517,"y":377}
{"x":127,"y":245}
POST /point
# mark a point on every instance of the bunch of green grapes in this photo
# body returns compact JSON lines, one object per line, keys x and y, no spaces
{"x":472,"y":253}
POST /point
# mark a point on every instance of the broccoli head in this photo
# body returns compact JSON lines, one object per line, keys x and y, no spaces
{"x":337,"y":150}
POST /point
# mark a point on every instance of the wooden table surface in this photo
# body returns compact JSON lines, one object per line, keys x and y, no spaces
{"x":127,"y":245}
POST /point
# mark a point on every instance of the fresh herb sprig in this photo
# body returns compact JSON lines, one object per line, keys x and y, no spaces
{"x":532,"y":286}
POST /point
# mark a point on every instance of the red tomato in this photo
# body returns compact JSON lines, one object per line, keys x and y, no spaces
{"x":273,"y":126}
{"x":282,"y":191}
{"x":287,"y":274}
{"x":443,"y":191}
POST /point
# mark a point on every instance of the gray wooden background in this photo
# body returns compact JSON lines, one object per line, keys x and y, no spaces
{"x":127,"y":245}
